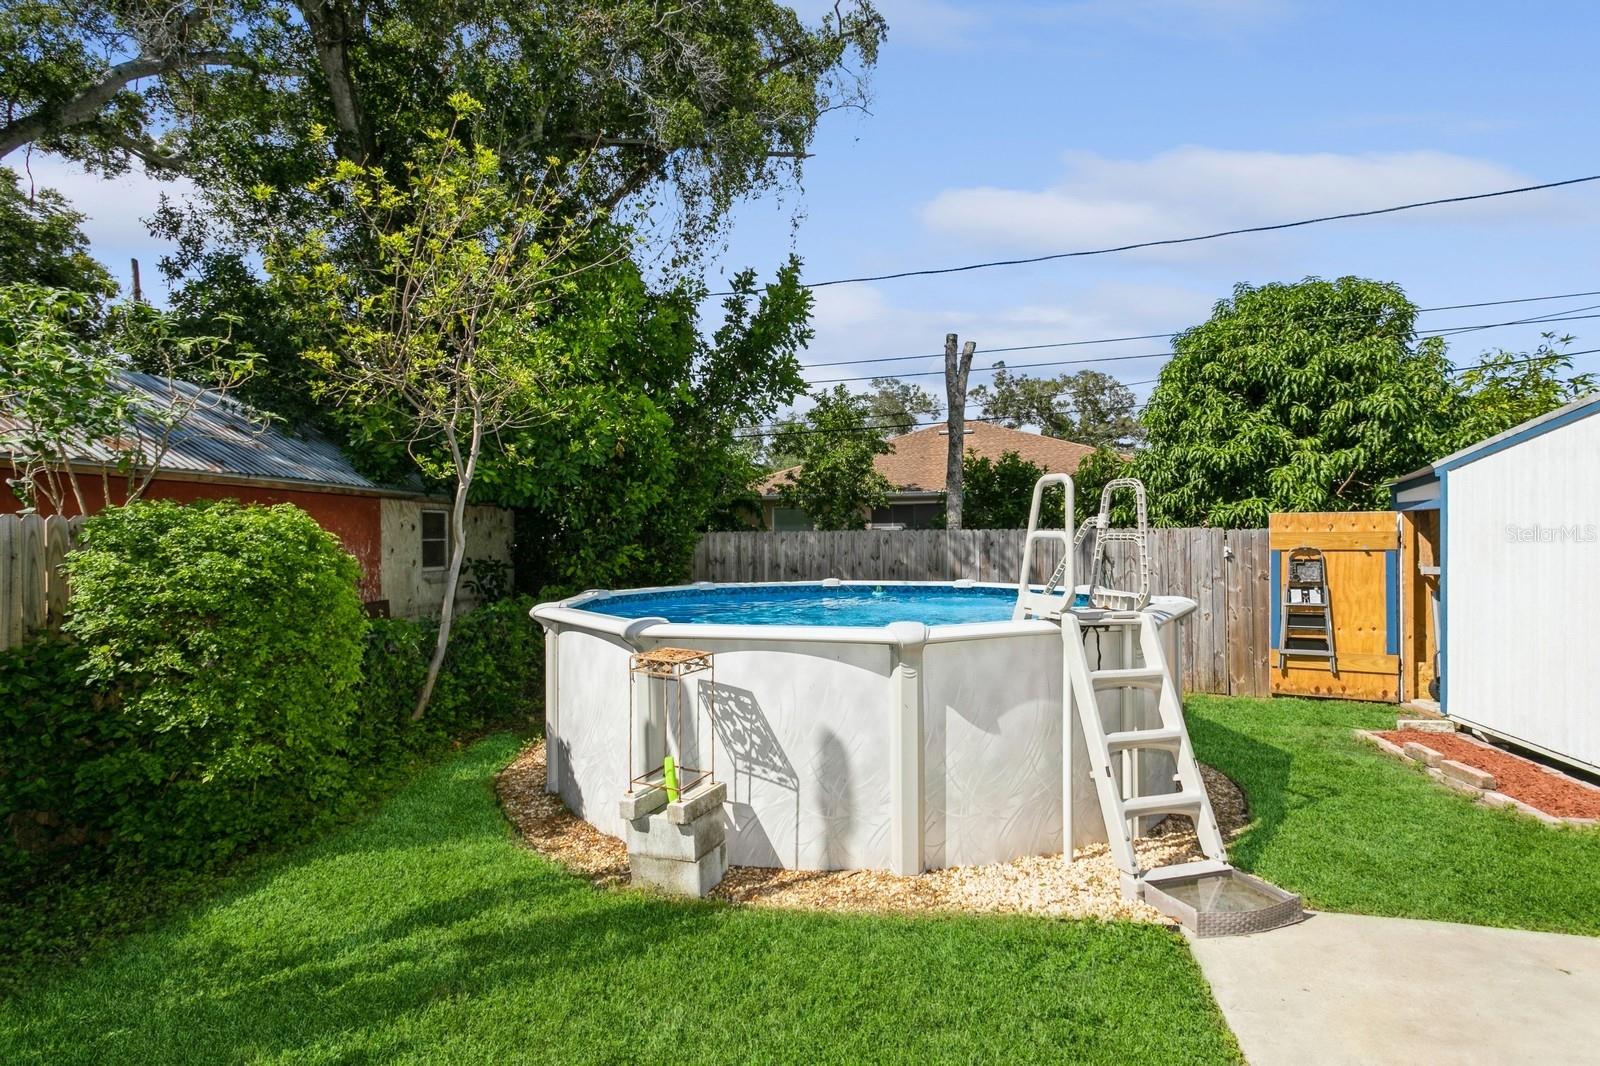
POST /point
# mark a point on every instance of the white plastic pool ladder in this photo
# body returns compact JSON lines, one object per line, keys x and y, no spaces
{"x":1122,"y":613}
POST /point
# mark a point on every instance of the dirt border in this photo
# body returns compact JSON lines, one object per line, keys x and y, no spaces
{"x":1088,"y":887}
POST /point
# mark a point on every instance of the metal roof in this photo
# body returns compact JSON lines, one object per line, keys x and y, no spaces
{"x":224,"y":438}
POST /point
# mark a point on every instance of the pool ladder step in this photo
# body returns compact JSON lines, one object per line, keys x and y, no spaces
{"x":1089,"y":688}
{"x":1137,"y":739}
{"x":1138,"y":677}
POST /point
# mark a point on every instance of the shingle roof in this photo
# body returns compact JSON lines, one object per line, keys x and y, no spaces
{"x":918,"y":461}
{"x":226,"y":439}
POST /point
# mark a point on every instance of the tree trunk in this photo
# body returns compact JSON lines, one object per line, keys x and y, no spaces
{"x":955,"y":408}
{"x":333,"y":27}
{"x":458,"y":552}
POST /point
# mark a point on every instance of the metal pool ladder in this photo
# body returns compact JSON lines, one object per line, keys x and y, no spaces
{"x":1209,"y":895}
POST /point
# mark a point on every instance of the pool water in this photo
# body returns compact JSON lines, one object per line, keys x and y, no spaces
{"x":815,"y":605}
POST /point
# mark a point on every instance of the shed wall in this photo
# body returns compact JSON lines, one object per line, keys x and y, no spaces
{"x":354,"y":519}
{"x":1522,"y":581}
{"x":413,"y":592}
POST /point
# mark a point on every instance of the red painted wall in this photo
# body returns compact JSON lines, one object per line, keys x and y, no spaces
{"x":355,"y":520}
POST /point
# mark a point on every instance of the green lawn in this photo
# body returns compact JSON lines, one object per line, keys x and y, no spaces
{"x":1355,"y":830}
{"x":428,"y":934}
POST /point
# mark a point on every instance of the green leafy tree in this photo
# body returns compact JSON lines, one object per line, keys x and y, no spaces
{"x":897,"y":406}
{"x":699,"y":103}
{"x":1293,"y":397}
{"x":1089,"y":407}
{"x":1001,"y":491}
{"x":436,"y":334}
{"x":998,"y":492}
{"x":836,"y":483}
{"x":619,"y":492}
{"x":1504,"y":389}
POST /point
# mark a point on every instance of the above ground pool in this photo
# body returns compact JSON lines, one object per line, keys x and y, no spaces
{"x":857,"y":725}
{"x":839,"y":604}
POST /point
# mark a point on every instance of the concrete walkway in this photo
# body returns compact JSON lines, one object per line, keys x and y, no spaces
{"x":1345,"y":988}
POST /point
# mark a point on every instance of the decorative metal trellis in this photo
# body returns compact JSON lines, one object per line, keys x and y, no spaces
{"x":668,"y":667}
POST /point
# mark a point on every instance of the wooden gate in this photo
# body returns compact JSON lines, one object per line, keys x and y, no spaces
{"x":1362,"y":550}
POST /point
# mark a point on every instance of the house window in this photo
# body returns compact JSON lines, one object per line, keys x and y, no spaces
{"x":908,"y":515}
{"x":435,"y":540}
{"x":788,"y":519}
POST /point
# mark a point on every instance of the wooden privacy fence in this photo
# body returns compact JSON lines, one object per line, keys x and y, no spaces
{"x":1225,"y":642}
{"x":33,"y":589}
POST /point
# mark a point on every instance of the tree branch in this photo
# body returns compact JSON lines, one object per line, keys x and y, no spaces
{"x":93,"y":98}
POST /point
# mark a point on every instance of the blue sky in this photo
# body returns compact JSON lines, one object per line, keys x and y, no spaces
{"x":1015,"y":129}
{"x":1001,"y":130}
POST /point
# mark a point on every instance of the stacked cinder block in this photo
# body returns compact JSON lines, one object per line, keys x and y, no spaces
{"x":682,"y":847}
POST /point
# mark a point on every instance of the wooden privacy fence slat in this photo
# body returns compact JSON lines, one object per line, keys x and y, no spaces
{"x":1225,"y":642}
{"x":33,"y":587}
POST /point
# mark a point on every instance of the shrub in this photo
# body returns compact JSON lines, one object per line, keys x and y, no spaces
{"x":492,"y":675}
{"x":493,"y":670}
{"x":59,"y":755}
{"x":230,"y":639}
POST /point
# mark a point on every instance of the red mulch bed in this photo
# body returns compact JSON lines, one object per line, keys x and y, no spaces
{"x":1517,"y":777}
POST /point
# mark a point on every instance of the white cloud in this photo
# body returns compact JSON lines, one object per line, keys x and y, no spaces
{"x":861,"y":322}
{"x":1195,"y":190}
{"x":114,"y":207}
{"x":114,"y":211}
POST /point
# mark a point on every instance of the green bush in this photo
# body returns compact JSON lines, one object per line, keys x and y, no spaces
{"x":492,"y":675}
{"x":225,"y":691}
{"x":493,"y":669}
{"x":230,"y":639}
{"x":60,"y":746}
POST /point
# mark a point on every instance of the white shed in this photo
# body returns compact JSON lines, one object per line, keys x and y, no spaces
{"x":1518,"y":581}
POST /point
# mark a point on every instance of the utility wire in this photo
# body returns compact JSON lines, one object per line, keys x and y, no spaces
{"x":754,"y":432}
{"x":1171,"y":241}
{"x":1174,"y":333}
{"x":1442,"y":332}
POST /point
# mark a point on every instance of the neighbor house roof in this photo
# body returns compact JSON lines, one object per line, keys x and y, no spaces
{"x":918,"y":461}
{"x":226,"y":440}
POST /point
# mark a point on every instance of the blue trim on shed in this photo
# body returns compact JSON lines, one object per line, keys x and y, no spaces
{"x":1444,"y":594}
{"x":1391,"y":602}
{"x":1417,"y":505}
{"x":1539,"y":429}
{"x":1276,"y":607}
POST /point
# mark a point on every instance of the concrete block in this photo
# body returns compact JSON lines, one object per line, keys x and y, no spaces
{"x":1454,"y":782}
{"x":1470,"y":775}
{"x":1426,"y":725}
{"x":643,"y":802}
{"x":1380,"y":743}
{"x":679,"y":878}
{"x":657,"y":838}
{"x":1416,"y":751}
{"x":697,"y":804}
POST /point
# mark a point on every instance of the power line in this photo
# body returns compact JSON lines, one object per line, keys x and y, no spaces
{"x":1174,"y":333}
{"x":1171,"y":241}
{"x":1445,"y":331}
{"x":755,"y":432}
{"x":996,"y":366}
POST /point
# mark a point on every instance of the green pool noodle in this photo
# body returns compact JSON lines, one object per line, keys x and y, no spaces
{"x":669,"y":778}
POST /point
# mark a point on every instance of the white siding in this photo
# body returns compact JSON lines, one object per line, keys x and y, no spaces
{"x":1521,"y":655}
{"x":413,"y":592}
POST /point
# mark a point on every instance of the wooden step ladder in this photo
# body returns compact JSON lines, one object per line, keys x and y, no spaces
{"x":1305,"y":618}
{"x":1121,"y":805}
